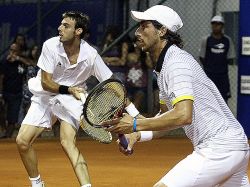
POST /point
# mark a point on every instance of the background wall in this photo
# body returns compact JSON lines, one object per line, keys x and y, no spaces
{"x":23,"y":16}
{"x":244,"y":68}
{"x":42,"y":19}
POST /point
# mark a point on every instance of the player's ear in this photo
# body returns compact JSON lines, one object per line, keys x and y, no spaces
{"x":163,"y":31}
{"x":79,"y":31}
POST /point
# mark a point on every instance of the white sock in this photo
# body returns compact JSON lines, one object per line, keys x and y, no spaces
{"x":86,"y":185}
{"x":36,"y":181}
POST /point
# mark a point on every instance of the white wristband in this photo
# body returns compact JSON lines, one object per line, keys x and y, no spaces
{"x":146,"y":136}
{"x":131,"y":110}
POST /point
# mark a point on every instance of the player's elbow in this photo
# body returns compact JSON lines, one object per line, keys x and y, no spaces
{"x":186,"y":120}
{"x":185,"y":116}
{"x":46,"y":80}
{"x":45,"y":84}
{"x":184,"y":110}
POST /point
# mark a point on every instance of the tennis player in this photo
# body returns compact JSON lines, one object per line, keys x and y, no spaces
{"x":65,"y":63}
{"x":221,"y":150}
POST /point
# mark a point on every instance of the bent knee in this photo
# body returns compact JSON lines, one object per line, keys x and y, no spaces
{"x":160,"y":184}
{"x":22,"y":144}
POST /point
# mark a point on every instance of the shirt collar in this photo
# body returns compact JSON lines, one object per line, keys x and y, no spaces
{"x":160,"y":60}
{"x":61,"y":50}
{"x":82,"y":53}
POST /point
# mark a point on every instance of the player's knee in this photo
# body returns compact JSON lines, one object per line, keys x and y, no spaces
{"x":22,"y":144}
{"x":160,"y":184}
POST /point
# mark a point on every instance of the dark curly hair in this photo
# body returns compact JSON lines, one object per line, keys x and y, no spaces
{"x":172,"y":37}
{"x":82,"y":20}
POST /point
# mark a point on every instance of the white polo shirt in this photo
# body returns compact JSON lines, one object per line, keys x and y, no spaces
{"x":54,"y":60}
{"x":180,"y":77}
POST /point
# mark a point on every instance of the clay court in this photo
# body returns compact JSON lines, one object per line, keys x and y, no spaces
{"x":108,"y":168}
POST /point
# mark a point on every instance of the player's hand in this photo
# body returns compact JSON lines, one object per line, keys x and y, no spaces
{"x":75,"y":91}
{"x":132,"y":139}
{"x":122,"y":125}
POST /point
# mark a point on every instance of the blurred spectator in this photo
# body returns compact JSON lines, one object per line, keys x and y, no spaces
{"x":116,"y":57}
{"x":21,"y":41}
{"x":31,"y":71}
{"x":2,"y":109}
{"x":13,"y":74}
{"x":216,"y":53}
{"x":137,"y":76}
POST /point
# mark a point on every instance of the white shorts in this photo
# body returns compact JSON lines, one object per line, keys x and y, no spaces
{"x":44,"y":108}
{"x":210,"y":168}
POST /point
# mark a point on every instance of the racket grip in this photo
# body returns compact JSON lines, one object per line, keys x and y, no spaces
{"x":124,"y":142}
{"x":83,"y":97}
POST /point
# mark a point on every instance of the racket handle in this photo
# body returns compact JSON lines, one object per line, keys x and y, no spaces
{"x":124,"y":142}
{"x":83,"y":97}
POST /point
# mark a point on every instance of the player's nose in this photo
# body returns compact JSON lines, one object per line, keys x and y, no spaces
{"x":137,"y":32}
{"x":59,"y":28}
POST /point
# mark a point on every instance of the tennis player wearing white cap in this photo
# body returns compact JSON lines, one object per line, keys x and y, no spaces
{"x":221,"y":150}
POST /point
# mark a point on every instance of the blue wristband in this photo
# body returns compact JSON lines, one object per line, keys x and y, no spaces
{"x":134,"y":125}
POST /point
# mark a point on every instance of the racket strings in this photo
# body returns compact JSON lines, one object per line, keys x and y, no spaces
{"x":98,"y":134}
{"x":106,"y":103}
{"x":104,"y":113}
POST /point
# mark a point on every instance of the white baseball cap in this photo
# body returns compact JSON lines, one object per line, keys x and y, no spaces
{"x":162,"y":14}
{"x":218,"y":19}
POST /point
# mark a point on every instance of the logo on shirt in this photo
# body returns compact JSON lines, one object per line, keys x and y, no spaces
{"x":218,"y":48}
{"x":172,"y":96}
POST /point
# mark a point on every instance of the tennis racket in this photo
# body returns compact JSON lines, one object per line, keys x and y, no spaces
{"x":99,"y":134}
{"x":105,"y":102}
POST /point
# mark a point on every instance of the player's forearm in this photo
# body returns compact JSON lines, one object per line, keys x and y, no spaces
{"x":50,"y":86}
{"x":159,"y":134}
{"x":167,"y":121}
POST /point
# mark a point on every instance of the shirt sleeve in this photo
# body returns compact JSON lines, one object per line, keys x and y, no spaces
{"x":161,"y":99}
{"x":202,"y":50}
{"x":100,"y":70}
{"x":46,"y":60}
{"x":231,"y":51}
{"x":180,"y":82}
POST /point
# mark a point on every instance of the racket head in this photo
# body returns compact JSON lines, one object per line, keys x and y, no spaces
{"x":105,"y":102}
{"x":98,"y":134}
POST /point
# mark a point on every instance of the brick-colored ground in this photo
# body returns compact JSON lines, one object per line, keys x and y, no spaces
{"x":108,"y":168}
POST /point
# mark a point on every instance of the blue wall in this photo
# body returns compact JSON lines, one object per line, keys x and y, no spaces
{"x":16,"y":18}
{"x":244,"y":67}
